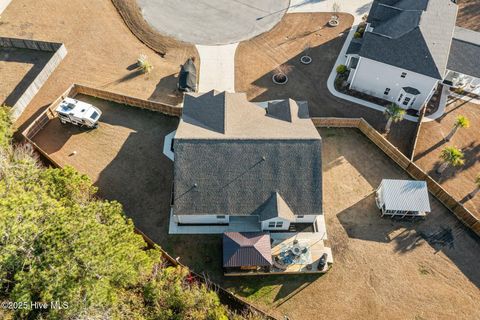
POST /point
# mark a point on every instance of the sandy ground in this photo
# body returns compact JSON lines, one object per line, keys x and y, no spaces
{"x":101,"y":50}
{"x":458,"y":181}
{"x":18,"y":68}
{"x":469,"y":14}
{"x":257,"y":58}
{"x":383,"y":269}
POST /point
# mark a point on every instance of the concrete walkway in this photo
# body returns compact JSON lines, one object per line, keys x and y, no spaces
{"x":441,"y":107}
{"x":217,"y":67}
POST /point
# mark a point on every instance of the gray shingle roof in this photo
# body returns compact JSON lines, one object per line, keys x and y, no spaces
{"x":465,"y":52}
{"x":412,"y":35}
{"x":276,"y":207}
{"x":236,"y":173}
{"x":246,"y":249}
{"x":411,"y":90}
{"x":288,"y":110}
{"x":405,"y":195}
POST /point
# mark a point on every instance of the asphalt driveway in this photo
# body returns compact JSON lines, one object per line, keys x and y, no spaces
{"x":213,"y":22}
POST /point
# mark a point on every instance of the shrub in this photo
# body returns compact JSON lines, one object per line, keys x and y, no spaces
{"x":6,"y":126}
{"x":341,"y":69}
{"x":357,"y":35}
{"x":144,"y":64}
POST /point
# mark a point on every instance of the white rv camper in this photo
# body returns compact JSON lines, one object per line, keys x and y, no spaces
{"x":78,"y":113}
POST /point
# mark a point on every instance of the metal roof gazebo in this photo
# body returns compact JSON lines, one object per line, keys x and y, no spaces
{"x":403,"y":198}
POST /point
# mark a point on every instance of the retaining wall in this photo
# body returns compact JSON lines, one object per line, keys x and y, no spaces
{"x":59,"y":52}
{"x":462,"y":213}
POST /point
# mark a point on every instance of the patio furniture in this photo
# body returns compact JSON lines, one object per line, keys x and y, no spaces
{"x":322,"y":262}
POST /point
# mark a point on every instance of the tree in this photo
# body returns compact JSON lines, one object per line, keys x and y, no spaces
{"x":477,"y":187}
{"x":460,"y":122}
{"x":393,"y":114}
{"x":61,"y":244}
{"x":450,"y":156}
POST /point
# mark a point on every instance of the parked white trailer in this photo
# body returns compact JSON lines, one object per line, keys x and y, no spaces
{"x":78,"y":113}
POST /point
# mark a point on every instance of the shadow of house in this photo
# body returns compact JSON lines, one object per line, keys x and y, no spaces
{"x":309,"y":82}
{"x":37,"y":59}
{"x":167,"y":87}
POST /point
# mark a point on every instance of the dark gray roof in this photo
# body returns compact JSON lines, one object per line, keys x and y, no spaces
{"x":187,"y":79}
{"x":465,"y":52}
{"x":406,"y":195}
{"x":354,"y":46}
{"x":287,"y":110}
{"x":411,"y":90}
{"x":414,"y":35}
{"x":246,"y":249}
{"x":232,"y":178}
{"x":276,"y":207}
{"x":237,"y":172}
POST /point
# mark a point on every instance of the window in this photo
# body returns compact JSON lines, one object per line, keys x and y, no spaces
{"x":404,"y":74}
{"x":220,"y":217}
{"x":279,"y":224}
{"x":94,"y":115}
{"x":401,"y":96}
{"x":300,"y":217}
{"x":387,"y":90}
{"x":271,"y":224}
{"x":406,"y":101}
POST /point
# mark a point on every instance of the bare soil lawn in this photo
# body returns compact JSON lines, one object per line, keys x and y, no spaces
{"x":469,"y":14}
{"x":257,"y":58}
{"x":18,"y":69}
{"x":101,"y":50}
{"x":383,"y":269}
{"x":124,"y":158}
{"x":457,"y":181}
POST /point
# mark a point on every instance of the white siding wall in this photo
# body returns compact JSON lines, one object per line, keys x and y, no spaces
{"x":200,"y":219}
{"x":306,"y":219}
{"x":373,"y":77}
{"x":285,"y":226}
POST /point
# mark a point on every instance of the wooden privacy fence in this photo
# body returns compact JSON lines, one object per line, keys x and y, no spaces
{"x":462,"y":213}
{"x":59,"y":52}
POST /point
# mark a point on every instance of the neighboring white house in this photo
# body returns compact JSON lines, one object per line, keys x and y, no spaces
{"x":244,"y":167}
{"x":407,"y":50}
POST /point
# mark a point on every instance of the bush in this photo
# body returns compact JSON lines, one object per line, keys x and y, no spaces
{"x":357,"y":35}
{"x":6,"y":126}
{"x":341,"y":69}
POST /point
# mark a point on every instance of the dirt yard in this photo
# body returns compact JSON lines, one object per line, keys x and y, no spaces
{"x":101,"y":50}
{"x":383,"y":269}
{"x":18,"y":68}
{"x":458,"y":181}
{"x":124,"y":157}
{"x":257,"y":58}
{"x":469,"y":14}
